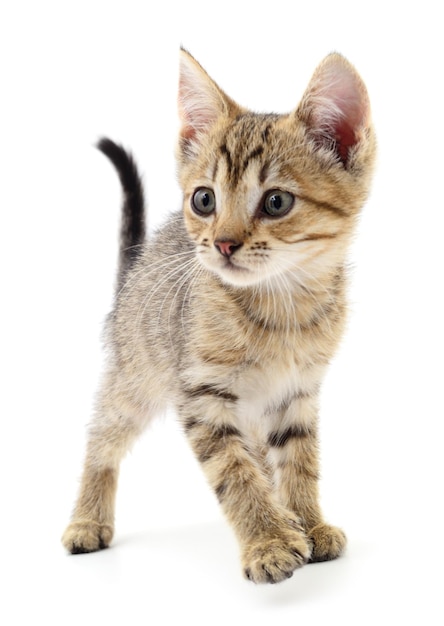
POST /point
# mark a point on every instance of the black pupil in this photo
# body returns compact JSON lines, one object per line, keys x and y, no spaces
{"x":276,"y":202}
{"x":206,"y":200}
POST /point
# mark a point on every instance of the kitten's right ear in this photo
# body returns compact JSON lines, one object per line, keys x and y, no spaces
{"x":201,"y":102}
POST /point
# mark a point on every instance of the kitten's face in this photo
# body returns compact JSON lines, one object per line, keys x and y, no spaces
{"x":272,"y":199}
{"x":254,"y":209}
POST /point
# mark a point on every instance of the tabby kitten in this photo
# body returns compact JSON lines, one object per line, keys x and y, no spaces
{"x":233,"y":310}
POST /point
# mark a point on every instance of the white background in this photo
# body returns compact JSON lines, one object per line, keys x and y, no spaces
{"x":73,"y":71}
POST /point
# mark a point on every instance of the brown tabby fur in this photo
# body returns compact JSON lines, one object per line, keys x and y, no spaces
{"x":238,"y":343}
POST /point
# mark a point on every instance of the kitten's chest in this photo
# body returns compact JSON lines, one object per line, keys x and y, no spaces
{"x":261,"y":362}
{"x":258,"y":390}
{"x":265,"y":390}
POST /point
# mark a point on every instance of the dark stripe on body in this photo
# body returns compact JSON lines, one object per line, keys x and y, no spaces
{"x":189,"y":424}
{"x":214,"y":441}
{"x":220,"y":491}
{"x":279,"y":439}
{"x":211,"y":390}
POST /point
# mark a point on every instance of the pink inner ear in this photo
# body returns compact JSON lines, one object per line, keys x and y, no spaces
{"x":191,"y":116}
{"x":347,"y":126}
{"x":199,"y":101}
{"x":349,"y":100}
{"x":338,"y":104}
{"x":188,"y":129}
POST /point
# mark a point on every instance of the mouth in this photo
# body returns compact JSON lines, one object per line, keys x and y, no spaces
{"x":229,"y":266}
{"x":237,"y":275}
{"x":231,"y":272}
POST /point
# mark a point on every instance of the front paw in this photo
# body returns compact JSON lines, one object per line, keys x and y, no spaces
{"x":87,"y":536}
{"x":273,"y":559}
{"x":328,"y":542}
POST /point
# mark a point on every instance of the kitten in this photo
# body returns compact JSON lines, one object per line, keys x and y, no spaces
{"x":233,"y":310}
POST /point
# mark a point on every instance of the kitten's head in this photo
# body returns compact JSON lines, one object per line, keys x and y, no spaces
{"x":274,"y":197}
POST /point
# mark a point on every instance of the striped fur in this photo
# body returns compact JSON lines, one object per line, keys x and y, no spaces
{"x":233,"y":310}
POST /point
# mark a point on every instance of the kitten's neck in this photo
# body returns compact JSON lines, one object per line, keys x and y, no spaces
{"x":283,"y":304}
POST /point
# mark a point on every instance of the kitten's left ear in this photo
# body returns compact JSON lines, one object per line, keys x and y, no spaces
{"x":336,"y":107}
{"x":201,"y":102}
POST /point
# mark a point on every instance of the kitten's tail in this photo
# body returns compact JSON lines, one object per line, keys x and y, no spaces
{"x":132,"y":230}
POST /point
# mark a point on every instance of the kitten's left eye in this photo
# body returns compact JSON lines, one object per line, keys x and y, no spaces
{"x":277,"y":203}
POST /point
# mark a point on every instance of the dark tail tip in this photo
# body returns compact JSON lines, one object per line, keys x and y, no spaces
{"x":133,"y":230}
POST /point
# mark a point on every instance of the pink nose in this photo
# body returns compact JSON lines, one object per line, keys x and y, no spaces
{"x":227,"y":248}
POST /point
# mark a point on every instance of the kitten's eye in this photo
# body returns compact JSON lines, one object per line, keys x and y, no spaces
{"x":277,"y":203}
{"x":203,"y":201}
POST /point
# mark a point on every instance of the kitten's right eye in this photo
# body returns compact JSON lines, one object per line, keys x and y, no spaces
{"x":203,"y":201}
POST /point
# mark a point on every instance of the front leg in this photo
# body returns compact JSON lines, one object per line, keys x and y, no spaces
{"x":294,"y":454}
{"x":272,"y":542}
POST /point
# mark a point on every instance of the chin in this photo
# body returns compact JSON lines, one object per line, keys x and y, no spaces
{"x":239,"y":279}
{"x":233,"y":275}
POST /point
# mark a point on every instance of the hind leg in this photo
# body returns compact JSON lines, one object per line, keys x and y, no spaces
{"x":112,"y":432}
